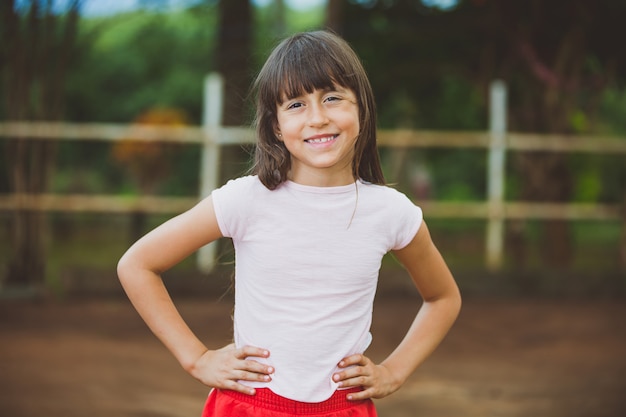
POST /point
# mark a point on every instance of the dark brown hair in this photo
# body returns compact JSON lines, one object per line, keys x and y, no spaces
{"x":301,"y":64}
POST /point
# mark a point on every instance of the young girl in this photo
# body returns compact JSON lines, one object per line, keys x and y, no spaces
{"x":309,"y":229}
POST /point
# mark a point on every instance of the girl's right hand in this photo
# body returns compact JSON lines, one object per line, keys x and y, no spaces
{"x":223,"y":368}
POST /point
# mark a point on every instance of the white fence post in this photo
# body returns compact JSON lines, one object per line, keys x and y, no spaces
{"x":210,"y":162}
{"x":496,"y":175}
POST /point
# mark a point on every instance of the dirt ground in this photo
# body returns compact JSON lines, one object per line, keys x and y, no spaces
{"x":504,"y":357}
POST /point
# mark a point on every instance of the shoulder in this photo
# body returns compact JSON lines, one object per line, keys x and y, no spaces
{"x":246,"y":182}
{"x":235,"y":192}
{"x":385,"y":194}
{"x":395,"y":210}
{"x":233,"y":203}
{"x":244,"y":187}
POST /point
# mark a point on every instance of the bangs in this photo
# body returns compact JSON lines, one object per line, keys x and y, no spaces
{"x":305,"y":68}
{"x":303,"y":78}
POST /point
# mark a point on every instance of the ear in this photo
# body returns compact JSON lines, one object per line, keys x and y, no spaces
{"x":277,"y":133}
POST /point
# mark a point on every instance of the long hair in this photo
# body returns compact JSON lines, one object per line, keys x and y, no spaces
{"x":301,"y":64}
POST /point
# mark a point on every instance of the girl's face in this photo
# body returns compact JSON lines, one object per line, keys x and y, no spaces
{"x":320,"y":130}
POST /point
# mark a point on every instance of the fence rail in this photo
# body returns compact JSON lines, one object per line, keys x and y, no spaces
{"x":211,"y":136}
{"x":433,"y":209}
{"x":242,"y":135}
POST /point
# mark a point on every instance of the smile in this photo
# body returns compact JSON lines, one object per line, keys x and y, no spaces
{"x":321,"y":139}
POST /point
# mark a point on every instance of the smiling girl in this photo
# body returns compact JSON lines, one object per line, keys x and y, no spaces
{"x":310,"y":228}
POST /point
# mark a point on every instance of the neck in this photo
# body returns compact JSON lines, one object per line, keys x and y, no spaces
{"x":321,"y":178}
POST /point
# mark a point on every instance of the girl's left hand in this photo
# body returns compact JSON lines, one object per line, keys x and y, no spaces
{"x":359,"y":371}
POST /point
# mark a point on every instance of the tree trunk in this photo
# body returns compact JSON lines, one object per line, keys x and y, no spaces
{"x":334,"y":15}
{"x":234,"y":51}
{"x":34,"y":64}
{"x":549,"y":94}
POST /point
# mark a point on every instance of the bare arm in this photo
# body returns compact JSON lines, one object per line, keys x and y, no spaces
{"x":140,"y":270}
{"x":442,"y":303}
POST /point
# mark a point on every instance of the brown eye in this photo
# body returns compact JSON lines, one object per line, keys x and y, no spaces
{"x":294,"y":105}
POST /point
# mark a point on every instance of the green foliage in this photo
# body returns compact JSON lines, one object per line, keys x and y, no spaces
{"x":136,"y":61}
{"x":150,"y":58}
{"x":459,"y":175}
{"x":612,"y":118}
{"x":430,"y":69}
{"x":131,"y":63}
{"x":424,"y":74}
{"x":588,"y":186}
{"x":85,"y":167}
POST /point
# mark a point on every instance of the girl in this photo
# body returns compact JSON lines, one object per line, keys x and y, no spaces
{"x":309,"y":228}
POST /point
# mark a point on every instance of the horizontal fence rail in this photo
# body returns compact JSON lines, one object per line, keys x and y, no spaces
{"x":118,"y":132}
{"x":211,"y":136}
{"x":242,"y":135}
{"x":434,"y":209}
{"x":96,"y":203}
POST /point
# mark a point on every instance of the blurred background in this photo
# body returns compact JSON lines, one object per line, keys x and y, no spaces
{"x":504,"y":120}
{"x":101,"y":65}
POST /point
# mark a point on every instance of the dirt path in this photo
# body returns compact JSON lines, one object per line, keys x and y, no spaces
{"x":504,"y":358}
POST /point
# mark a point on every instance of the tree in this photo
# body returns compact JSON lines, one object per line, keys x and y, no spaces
{"x":234,"y":49}
{"x":333,"y":18}
{"x":233,"y":58}
{"x":37,"y":46}
{"x":558,"y":58}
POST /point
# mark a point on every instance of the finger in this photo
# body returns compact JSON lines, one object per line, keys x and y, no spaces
{"x":235,"y":386}
{"x":257,"y":367}
{"x":356,"y":381}
{"x":252,"y":376}
{"x":361,"y":395}
{"x":251,"y":351}
{"x":351,"y":360}
{"x":351,"y":372}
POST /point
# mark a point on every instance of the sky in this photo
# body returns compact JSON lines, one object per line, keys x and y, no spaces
{"x":110,"y":7}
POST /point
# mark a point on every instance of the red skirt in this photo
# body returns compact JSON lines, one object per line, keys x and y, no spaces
{"x":225,"y":403}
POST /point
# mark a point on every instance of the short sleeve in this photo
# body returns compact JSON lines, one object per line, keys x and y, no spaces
{"x":231,"y":202}
{"x":406,"y":220}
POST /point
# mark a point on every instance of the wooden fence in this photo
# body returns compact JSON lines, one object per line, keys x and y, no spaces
{"x":211,"y":136}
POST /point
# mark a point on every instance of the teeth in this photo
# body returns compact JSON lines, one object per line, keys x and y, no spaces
{"x":321,"y":140}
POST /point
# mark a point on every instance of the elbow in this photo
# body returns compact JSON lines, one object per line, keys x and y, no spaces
{"x":134,"y":271}
{"x":449,"y":301}
{"x":126,"y":269}
{"x":454,"y":301}
{"x":122,"y":268}
{"x":454,"y":298}
{"x":457,"y":301}
{"x":450,"y":305}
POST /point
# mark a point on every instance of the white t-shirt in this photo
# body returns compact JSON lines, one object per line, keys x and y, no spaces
{"x":306,"y":268}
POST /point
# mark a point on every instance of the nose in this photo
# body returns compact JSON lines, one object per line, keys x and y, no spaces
{"x":317,"y":115}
